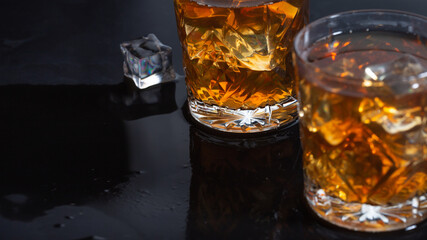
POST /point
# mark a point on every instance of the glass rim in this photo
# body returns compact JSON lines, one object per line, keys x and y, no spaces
{"x":300,"y":36}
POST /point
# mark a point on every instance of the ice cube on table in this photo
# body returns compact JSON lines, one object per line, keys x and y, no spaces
{"x":404,"y":75}
{"x":147,"y":61}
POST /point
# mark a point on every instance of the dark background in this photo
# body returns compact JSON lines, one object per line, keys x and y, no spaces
{"x":76,"y":41}
{"x":84,"y":155}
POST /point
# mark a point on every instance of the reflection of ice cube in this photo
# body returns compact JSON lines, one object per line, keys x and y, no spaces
{"x":147,"y":61}
{"x":132,"y":103}
{"x":404,"y":75}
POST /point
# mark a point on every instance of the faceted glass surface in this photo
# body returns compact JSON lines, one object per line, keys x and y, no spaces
{"x":237,"y":55}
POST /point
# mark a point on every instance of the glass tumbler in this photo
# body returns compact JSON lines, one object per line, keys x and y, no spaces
{"x":362,"y":91}
{"x":238,"y":63}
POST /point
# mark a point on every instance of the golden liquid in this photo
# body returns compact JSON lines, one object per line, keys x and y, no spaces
{"x":236,"y":53}
{"x":365,"y":144}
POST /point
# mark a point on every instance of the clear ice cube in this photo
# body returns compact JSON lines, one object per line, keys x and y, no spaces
{"x":391,"y":119}
{"x":147,"y":61}
{"x":404,"y":75}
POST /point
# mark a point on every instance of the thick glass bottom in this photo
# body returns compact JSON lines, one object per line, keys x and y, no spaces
{"x":366,"y":217}
{"x":244,"y":121}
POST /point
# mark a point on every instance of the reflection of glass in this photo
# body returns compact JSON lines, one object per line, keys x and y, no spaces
{"x":363,"y":105}
{"x":238,"y":66}
{"x":239,"y":184}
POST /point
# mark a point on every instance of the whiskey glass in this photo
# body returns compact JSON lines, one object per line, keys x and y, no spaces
{"x":238,"y":63}
{"x":362,"y":93}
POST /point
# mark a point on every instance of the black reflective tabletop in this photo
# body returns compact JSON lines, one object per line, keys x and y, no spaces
{"x":86,"y":155}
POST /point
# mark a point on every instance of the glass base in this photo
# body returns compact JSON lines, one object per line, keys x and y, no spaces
{"x":366,"y":217}
{"x":244,"y":121}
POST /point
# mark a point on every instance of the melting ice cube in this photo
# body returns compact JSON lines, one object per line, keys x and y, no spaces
{"x":391,"y":119}
{"x":147,"y":61}
{"x":404,"y":75}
